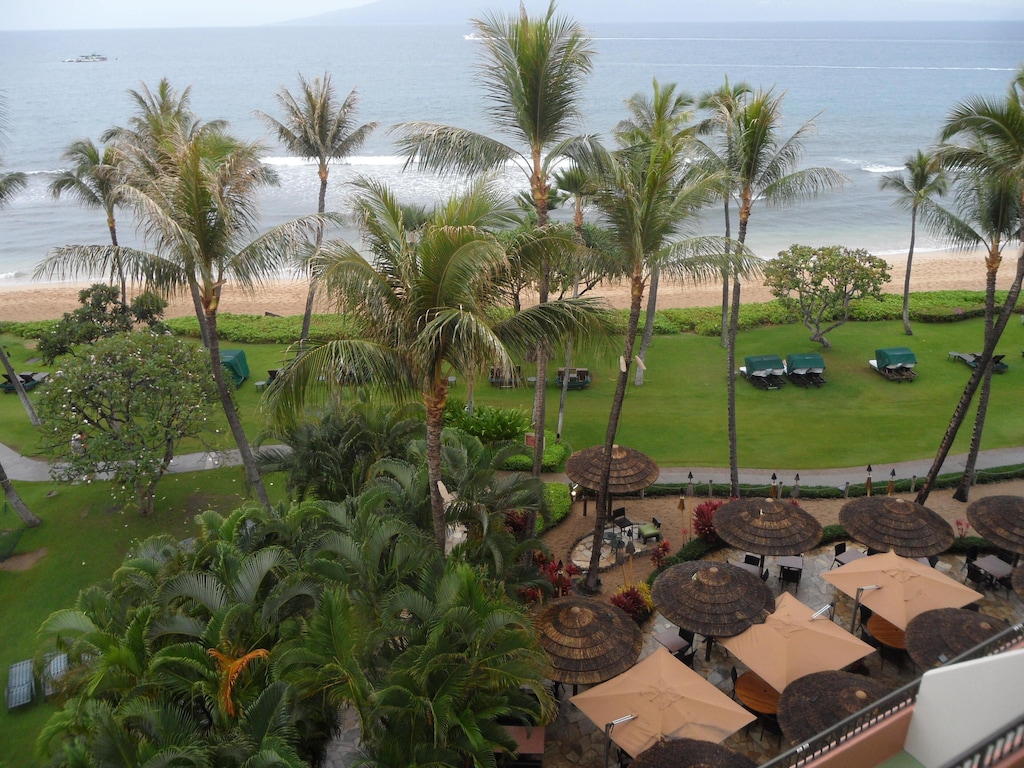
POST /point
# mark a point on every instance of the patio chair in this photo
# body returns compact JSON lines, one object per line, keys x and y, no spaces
{"x":651,"y":530}
{"x":844,"y":555}
{"x":619,"y":519}
{"x":751,"y":559}
{"x":977,"y":576}
{"x":770,"y":723}
{"x":970,"y":557}
{"x":790,"y":576}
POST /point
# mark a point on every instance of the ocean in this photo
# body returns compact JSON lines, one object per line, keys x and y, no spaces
{"x":877,"y":92}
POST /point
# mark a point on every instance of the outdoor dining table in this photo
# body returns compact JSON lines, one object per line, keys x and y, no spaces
{"x":755,"y":694}
{"x":751,"y":567}
{"x":887,"y":633}
{"x":994,"y":567}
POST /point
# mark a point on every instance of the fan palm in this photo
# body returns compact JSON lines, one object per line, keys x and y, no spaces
{"x":194,"y":187}
{"x":12,"y":181}
{"x":984,"y":137}
{"x":317,"y":128}
{"x":94,"y":179}
{"x":534,"y":70}
{"x":423,"y":303}
{"x":762,"y":166}
{"x":924,"y":180}
{"x":646,"y":201}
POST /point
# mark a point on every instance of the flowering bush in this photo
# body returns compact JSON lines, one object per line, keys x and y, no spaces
{"x":702,"y":520}
{"x":635,"y":600}
{"x":660,"y":553}
{"x":560,"y":576}
{"x":962,"y":527}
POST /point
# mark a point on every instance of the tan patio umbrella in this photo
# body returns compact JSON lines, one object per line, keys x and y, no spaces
{"x":712,"y":599}
{"x":907,"y":528}
{"x":666,"y":699}
{"x":818,"y":701}
{"x":898,"y":588}
{"x":935,"y":637}
{"x":691,"y":753}
{"x":587,"y":640}
{"x":1000,"y":519}
{"x":767,"y":526}
{"x":631,"y":470}
{"x":790,"y":644}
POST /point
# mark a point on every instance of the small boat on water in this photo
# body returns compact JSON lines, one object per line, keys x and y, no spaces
{"x":86,"y":58}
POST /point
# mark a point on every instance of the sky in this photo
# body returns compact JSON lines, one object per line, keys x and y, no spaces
{"x":133,"y":14}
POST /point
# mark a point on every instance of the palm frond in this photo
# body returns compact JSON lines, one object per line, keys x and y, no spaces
{"x":444,"y":149}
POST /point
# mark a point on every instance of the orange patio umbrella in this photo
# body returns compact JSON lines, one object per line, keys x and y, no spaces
{"x":898,"y":588}
{"x":791,"y":644}
{"x":665,"y":699}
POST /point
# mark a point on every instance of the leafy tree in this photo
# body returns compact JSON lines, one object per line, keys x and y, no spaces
{"x":194,"y":189}
{"x":817,"y":284}
{"x":94,"y":179}
{"x":923,"y":181}
{"x":424,"y":306}
{"x":317,"y":128}
{"x":101,"y":315}
{"x":123,"y":410}
{"x":985,"y":137}
{"x":533,"y":71}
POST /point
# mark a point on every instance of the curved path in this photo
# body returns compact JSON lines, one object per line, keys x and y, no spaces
{"x":20,"y":467}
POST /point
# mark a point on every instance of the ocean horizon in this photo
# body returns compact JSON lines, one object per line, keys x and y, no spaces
{"x":878,"y":92}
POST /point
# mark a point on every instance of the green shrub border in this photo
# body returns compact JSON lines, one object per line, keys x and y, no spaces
{"x":557,"y":505}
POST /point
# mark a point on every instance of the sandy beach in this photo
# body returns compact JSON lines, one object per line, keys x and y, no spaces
{"x":932,"y":271}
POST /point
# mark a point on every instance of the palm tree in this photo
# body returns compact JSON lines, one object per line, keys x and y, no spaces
{"x":724,"y":104}
{"x":646,"y":200}
{"x":763,"y":167}
{"x":317,"y":128}
{"x":533,"y":72}
{"x":12,"y":181}
{"x":990,"y":144}
{"x":17,"y":503}
{"x":660,"y":117}
{"x":422,"y":304}
{"x":194,"y":188}
{"x":94,"y":179}
{"x":924,"y":179}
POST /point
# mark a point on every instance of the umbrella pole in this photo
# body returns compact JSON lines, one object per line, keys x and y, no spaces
{"x":608,"y":728}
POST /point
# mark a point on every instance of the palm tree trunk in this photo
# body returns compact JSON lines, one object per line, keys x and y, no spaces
{"x":435,"y":423}
{"x":20,"y":389}
{"x":734,"y":320}
{"x":119,"y":266}
{"x":197,"y":301}
{"x":307,"y":316}
{"x":17,"y":503}
{"x":600,"y":516}
{"x":963,"y":490}
{"x":906,"y":278}
{"x":252,"y":474}
{"x":725,"y":282}
{"x":648,"y":335}
{"x":960,"y":412}
{"x":539,"y":410}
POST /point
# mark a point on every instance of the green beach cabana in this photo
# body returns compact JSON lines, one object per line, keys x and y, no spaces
{"x":895,"y":363}
{"x":764,"y":371}
{"x":235,"y":364}
{"x":805,"y":369}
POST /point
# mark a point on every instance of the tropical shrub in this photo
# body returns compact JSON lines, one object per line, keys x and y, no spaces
{"x":635,"y":600}
{"x":703,"y":525}
{"x":490,"y":424}
{"x":557,"y":505}
{"x":660,"y":554}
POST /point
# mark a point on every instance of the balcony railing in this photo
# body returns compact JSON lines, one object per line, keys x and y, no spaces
{"x":1000,"y":745}
{"x":820,"y":745}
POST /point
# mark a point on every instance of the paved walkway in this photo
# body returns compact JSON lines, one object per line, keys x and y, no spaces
{"x":20,"y":467}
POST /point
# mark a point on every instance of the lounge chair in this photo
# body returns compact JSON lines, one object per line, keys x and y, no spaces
{"x":579,"y":378}
{"x":806,"y":369}
{"x":971,"y":361}
{"x":895,"y":363}
{"x":651,"y":530}
{"x":764,"y":371}
{"x":28,"y":381}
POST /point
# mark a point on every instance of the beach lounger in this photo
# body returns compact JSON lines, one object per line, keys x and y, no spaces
{"x":764,"y":371}
{"x":21,"y":685}
{"x":806,"y":369}
{"x":971,"y":361}
{"x":895,"y":363}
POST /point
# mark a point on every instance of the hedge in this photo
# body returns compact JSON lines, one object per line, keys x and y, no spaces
{"x":557,"y":505}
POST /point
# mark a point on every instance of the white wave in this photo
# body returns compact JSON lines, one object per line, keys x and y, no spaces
{"x":874,"y":168}
{"x":289,"y":161}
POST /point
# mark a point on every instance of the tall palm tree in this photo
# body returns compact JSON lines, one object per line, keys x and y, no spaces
{"x":17,"y":503}
{"x":763,"y":167}
{"x":646,"y":201}
{"x":662,"y":116}
{"x":724,"y":104}
{"x":11,"y":181}
{"x":316,"y":127}
{"x":985,"y":137}
{"x":94,"y":179}
{"x":194,"y":192}
{"x":923,"y":180}
{"x":534,"y":70}
{"x":422,"y":302}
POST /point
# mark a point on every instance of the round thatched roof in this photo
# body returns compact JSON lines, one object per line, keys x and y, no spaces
{"x":907,"y":528}
{"x":713,"y":599}
{"x":631,"y":470}
{"x":1000,"y":519}
{"x":937,"y":636}
{"x":767,"y":526}
{"x":815,"y":702}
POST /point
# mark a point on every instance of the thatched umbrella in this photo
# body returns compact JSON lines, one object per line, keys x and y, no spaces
{"x":632,"y":470}
{"x":818,"y":701}
{"x":907,"y":528}
{"x":712,"y":599}
{"x":1000,"y":519}
{"x":767,"y":526}
{"x":690,"y":753}
{"x":587,"y":640}
{"x":935,"y":637}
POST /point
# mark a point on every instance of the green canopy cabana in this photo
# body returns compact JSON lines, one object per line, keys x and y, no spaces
{"x":235,"y":364}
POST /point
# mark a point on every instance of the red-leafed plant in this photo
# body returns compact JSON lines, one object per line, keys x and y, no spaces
{"x":635,"y":600}
{"x":516,"y":521}
{"x":660,"y":553}
{"x":703,"y":524}
{"x":560,"y":576}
